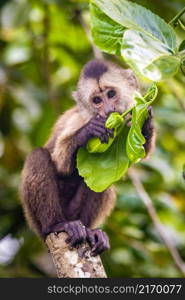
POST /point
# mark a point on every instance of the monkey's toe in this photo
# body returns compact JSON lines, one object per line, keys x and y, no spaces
{"x":98,"y":240}
{"x":76,"y":233}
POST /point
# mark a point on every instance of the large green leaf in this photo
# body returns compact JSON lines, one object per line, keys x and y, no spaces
{"x":148,"y":42}
{"x":106,"y":33}
{"x":100,"y":170}
{"x":148,"y":56}
{"x":136,"y":17}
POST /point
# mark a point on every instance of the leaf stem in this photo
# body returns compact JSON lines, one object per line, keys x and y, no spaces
{"x":127,"y":111}
{"x":144,"y":196}
{"x":173,"y":21}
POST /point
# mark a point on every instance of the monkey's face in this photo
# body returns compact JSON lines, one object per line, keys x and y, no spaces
{"x":105,"y":101}
{"x":104,"y":88}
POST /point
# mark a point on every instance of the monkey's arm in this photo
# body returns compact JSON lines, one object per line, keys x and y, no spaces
{"x":148,"y":131}
{"x":74,"y":132}
{"x":61,"y":143}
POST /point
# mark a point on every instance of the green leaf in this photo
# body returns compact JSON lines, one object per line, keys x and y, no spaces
{"x":115,"y":121}
{"x":100,"y":170}
{"x":135,"y":140}
{"x":148,"y":57}
{"x":106,"y":33}
{"x":136,"y":17}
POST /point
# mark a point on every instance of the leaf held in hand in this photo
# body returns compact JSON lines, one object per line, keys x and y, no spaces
{"x":100,"y":170}
{"x":94,"y":145}
{"x":135,"y":140}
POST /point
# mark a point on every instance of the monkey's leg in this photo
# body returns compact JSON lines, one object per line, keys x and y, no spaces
{"x":75,"y":229}
{"x":95,"y":209}
{"x":40,"y":193}
{"x":148,"y":131}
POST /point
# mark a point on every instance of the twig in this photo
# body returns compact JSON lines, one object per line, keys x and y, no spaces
{"x":153,"y":214}
{"x":173,"y":22}
{"x":46,"y":56}
{"x":97,"y":53}
{"x":52,"y":95}
{"x":75,"y":262}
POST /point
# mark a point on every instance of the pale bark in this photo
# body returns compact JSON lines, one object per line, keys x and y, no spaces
{"x":73,"y":262}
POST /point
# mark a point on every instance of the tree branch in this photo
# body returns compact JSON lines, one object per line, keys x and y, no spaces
{"x":75,"y":262}
{"x":97,"y":53}
{"x":174,"y":21}
{"x":153,"y":214}
{"x":46,"y":64}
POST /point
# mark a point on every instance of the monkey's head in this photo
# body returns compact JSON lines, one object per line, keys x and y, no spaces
{"x":104,"y":87}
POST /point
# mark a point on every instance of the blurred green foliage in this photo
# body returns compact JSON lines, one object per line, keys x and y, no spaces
{"x":43,"y":47}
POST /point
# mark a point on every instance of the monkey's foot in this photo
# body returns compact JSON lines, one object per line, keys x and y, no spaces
{"x":98,"y":241}
{"x":75,"y":229}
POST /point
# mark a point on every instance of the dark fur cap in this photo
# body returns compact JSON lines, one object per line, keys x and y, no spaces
{"x":94,"y":69}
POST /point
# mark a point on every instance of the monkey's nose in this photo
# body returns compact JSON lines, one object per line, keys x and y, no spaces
{"x":109,"y":111}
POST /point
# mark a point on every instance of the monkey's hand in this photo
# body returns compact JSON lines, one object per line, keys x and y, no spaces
{"x":94,"y":128}
{"x":98,"y":241}
{"x":75,"y":229}
{"x":148,"y":131}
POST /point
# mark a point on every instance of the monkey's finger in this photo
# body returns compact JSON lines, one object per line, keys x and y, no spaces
{"x":74,"y":239}
{"x":99,"y":245}
{"x":102,"y":244}
{"x":103,"y":139}
{"x":98,"y":126}
{"x":91,"y":238}
{"x":81,"y":233}
{"x":99,"y":123}
{"x":110,"y":132}
{"x":106,"y":138}
{"x":99,"y":133}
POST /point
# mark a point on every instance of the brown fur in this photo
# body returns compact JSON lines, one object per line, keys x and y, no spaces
{"x":52,"y":190}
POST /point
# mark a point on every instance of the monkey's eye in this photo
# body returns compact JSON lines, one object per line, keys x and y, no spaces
{"x":111,"y":94}
{"x":97,"y":100}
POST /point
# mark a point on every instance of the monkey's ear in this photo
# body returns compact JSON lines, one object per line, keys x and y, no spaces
{"x":131,"y":78}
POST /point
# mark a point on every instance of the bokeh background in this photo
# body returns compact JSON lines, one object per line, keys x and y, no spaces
{"x":43,"y":45}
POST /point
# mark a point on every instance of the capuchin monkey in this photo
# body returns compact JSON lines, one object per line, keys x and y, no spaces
{"x":54,"y":196}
